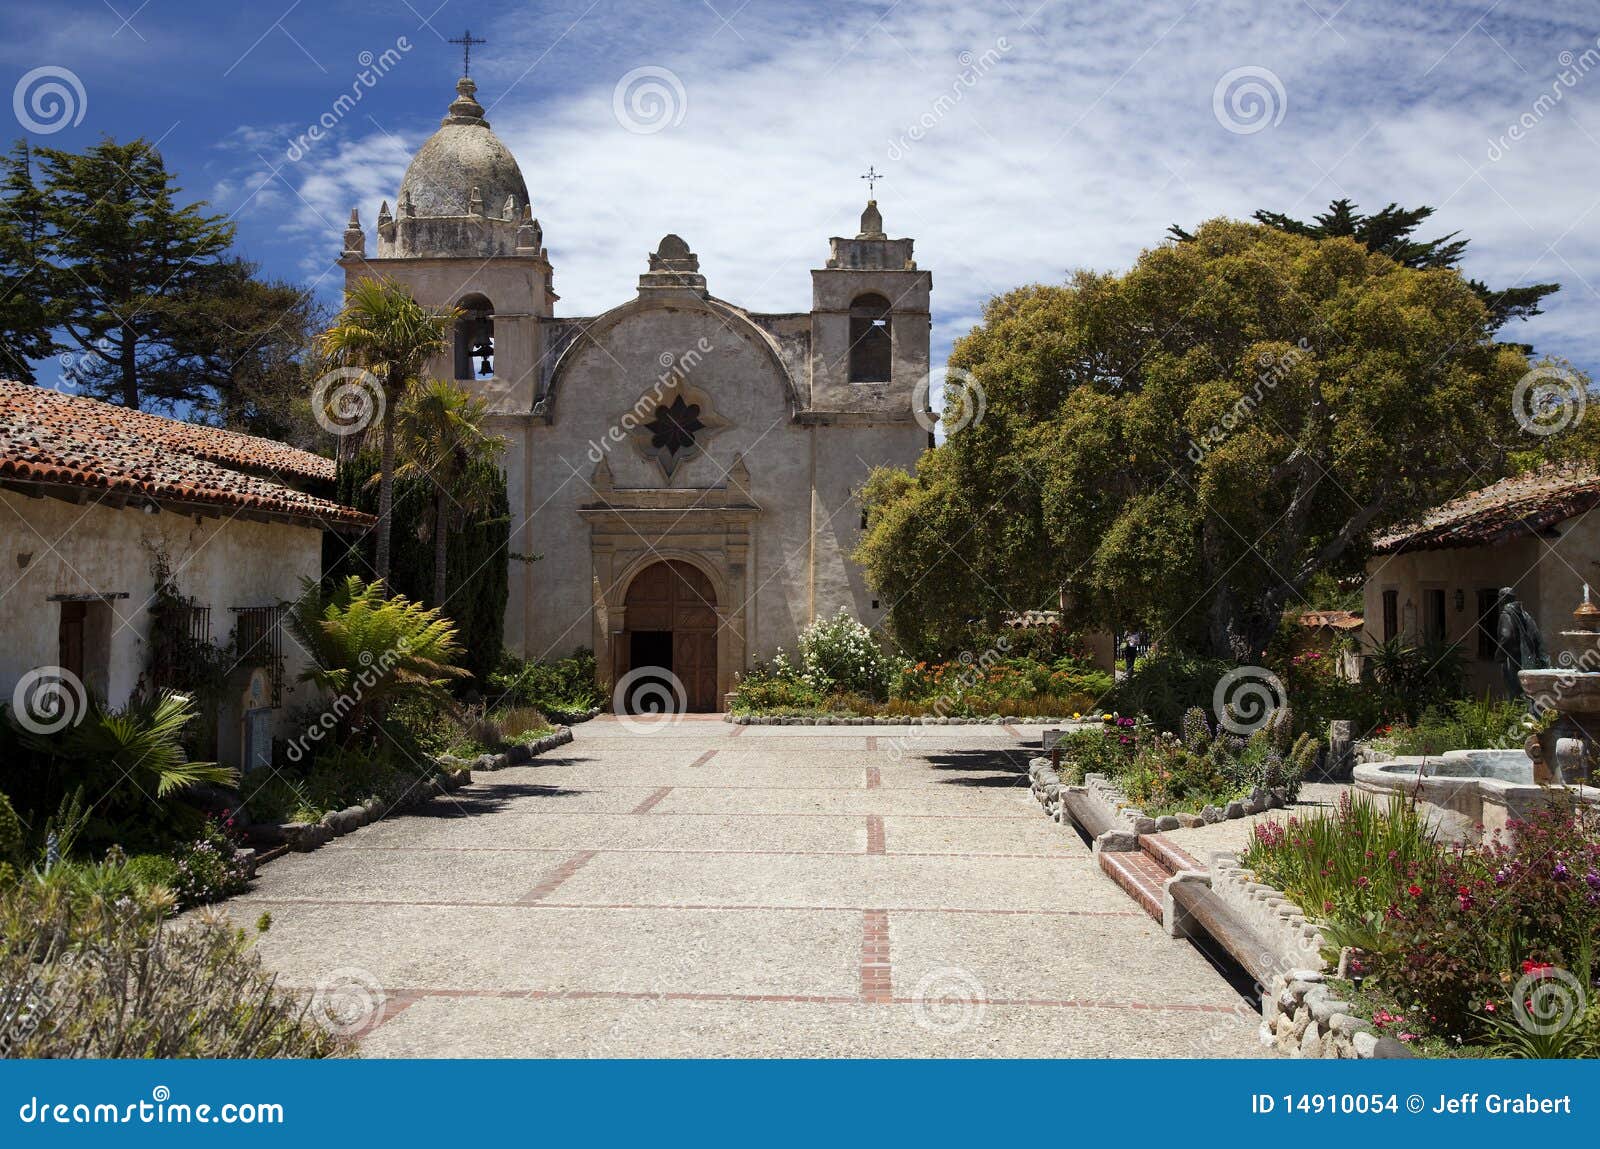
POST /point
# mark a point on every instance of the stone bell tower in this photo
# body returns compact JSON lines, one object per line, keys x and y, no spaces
{"x":869,"y":325}
{"x":463,"y":234}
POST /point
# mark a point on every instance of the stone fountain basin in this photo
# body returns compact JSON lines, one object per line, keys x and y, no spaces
{"x":1474,"y":792}
{"x":1569,"y":691}
{"x":1502,"y":765}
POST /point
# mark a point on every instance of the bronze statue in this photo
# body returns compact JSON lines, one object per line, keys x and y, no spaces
{"x":1521,"y":645}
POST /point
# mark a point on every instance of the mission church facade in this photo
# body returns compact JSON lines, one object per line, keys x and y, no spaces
{"x":686,"y":471}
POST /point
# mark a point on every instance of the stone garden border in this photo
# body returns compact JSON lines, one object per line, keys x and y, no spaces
{"x":303,"y":837}
{"x":1300,"y":1014}
{"x":1119,"y":808}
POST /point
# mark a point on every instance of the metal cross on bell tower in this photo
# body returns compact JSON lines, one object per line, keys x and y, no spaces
{"x":466,"y":40}
{"x":872,"y":175}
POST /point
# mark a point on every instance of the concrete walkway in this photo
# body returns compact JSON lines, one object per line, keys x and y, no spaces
{"x":702,"y":889}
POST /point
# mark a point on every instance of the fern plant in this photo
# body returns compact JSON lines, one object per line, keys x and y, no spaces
{"x":369,"y":650}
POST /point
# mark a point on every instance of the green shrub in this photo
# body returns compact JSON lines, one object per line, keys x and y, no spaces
{"x":477,"y":566}
{"x":153,"y":870}
{"x":1164,"y":685}
{"x":132,"y":760}
{"x":110,"y":978}
{"x":1466,"y":724}
{"x":566,"y":685}
{"x":775,"y":686}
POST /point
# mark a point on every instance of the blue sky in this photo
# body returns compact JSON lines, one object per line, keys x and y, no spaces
{"x":1046,"y":136}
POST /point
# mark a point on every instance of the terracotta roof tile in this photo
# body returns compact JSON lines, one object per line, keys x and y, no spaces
{"x":1333,"y":619}
{"x":1519,"y":505}
{"x":53,"y":438}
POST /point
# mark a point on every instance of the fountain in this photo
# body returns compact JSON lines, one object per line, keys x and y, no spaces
{"x":1567,"y":701}
{"x":1476,"y":792}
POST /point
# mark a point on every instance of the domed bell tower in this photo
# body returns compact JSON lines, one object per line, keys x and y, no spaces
{"x":462,"y":234}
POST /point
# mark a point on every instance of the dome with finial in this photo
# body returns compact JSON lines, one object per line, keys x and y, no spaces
{"x":463,"y":167}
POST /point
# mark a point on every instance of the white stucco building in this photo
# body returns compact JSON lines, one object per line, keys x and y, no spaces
{"x":95,"y":499}
{"x":1433,"y":582}
{"x":686,"y":470}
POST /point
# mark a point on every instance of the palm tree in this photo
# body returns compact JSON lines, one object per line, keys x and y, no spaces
{"x":383,"y":329}
{"x":443,"y":437}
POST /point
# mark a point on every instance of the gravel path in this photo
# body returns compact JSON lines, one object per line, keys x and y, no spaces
{"x":702,"y":889}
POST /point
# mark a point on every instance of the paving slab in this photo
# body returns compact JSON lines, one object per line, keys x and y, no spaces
{"x":703,"y":889}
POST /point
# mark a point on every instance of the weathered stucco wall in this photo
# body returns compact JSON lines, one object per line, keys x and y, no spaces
{"x":797,"y":565}
{"x":49,"y":548}
{"x":1547,"y":574}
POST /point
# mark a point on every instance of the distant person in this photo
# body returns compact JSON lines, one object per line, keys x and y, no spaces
{"x":1130,"y":650}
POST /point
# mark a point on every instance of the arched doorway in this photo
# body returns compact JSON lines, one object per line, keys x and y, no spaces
{"x":670,"y":621}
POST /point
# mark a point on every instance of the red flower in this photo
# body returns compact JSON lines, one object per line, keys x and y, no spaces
{"x":1414,"y":890}
{"x":1536,"y":967}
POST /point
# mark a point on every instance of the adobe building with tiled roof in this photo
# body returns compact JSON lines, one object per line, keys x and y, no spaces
{"x":1435,"y":580}
{"x":686,"y":469}
{"x":95,"y":498}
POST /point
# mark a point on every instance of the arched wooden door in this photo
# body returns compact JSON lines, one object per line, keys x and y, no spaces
{"x":670,"y":621}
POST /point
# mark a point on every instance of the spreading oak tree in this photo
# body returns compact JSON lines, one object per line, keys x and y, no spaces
{"x":1187,"y":445}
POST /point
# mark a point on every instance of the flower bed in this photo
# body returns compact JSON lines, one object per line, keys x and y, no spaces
{"x":1202,"y":772}
{"x":1484,"y":949}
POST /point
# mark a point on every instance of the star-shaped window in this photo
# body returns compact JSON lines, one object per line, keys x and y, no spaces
{"x":677,"y":428}
{"x":672,"y":428}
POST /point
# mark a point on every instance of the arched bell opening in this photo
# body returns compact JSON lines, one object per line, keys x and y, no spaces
{"x":474,"y":339}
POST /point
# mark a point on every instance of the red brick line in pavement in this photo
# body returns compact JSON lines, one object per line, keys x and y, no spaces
{"x":872,"y":742}
{"x":874,"y":834}
{"x":874,"y":778}
{"x":876,"y":976}
{"x":738,"y":730}
{"x":704,"y":758}
{"x":398,"y":1000}
{"x":792,"y":814}
{"x":527,"y":905}
{"x":557,"y":877}
{"x":650,"y":803}
{"x":714,"y":853}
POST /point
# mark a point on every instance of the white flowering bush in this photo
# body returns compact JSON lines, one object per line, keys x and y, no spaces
{"x":841,"y":654}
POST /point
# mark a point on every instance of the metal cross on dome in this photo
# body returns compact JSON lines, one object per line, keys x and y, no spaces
{"x":466,"y":40}
{"x":872,"y":175}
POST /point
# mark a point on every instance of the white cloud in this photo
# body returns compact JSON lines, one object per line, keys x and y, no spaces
{"x":1091,"y":130}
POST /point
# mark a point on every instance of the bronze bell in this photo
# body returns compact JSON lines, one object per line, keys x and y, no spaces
{"x":485,"y":352}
